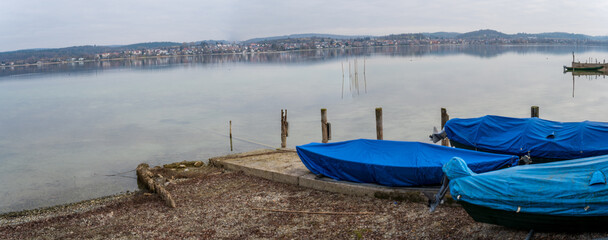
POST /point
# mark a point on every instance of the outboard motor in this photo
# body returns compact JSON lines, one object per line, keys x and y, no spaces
{"x":437,"y":136}
{"x":455,"y":168}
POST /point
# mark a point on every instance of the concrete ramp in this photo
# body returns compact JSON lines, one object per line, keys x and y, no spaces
{"x":285,"y":166}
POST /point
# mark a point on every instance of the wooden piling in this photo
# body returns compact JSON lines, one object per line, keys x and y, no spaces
{"x":379,"y":131}
{"x":284,"y":128}
{"x":534,"y":111}
{"x":444,"y":119}
{"x":356,"y":76}
{"x":324,"y":130}
{"x":342,"y":80}
{"x":231,"y":135}
{"x":364,"y":76}
{"x":145,"y":176}
{"x":350,"y":78}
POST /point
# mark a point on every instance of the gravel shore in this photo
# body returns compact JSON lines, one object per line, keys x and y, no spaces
{"x":213,"y":203}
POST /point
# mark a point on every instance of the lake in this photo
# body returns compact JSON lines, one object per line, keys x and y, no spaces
{"x":77,"y":131}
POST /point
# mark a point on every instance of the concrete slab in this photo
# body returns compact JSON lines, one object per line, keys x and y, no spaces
{"x":285,"y":166}
{"x":276,"y":165}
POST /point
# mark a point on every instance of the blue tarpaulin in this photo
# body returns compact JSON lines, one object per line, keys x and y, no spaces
{"x":392,"y":163}
{"x":538,"y":137}
{"x":566,"y":188}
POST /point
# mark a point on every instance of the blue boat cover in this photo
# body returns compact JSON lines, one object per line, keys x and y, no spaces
{"x":566,"y":188}
{"x":392,"y":163}
{"x":541,"y":138}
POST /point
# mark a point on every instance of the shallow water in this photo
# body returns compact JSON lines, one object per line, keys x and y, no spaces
{"x":73,"y":132}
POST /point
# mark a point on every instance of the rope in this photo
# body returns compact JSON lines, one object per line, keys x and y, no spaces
{"x":308,"y":212}
{"x":239,"y":138}
{"x":119,"y":174}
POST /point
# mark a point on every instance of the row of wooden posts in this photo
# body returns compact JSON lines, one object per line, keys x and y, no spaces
{"x":326,"y":126}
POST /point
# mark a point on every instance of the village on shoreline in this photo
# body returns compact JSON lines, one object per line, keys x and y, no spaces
{"x":280,"y":44}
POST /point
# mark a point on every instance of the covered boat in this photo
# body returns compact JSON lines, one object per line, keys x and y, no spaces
{"x":558,"y":196}
{"x":392,"y":163}
{"x":542,"y":140}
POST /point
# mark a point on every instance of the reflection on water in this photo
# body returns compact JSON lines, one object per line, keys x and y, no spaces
{"x":588,"y":75}
{"x":355,"y":79}
{"x":299,"y":57}
{"x":71,"y":129}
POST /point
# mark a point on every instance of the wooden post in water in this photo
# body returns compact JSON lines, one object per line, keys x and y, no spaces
{"x":379,"y":131}
{"x":324,"y":130}
{"x":364,"y":76}
{"x":572,"y":56}
{"x":534,"y":111}
{"x":231,"y":135}
{"x":444,"y":118}
{"x":284,"y":128}
{"x":342,"y":80}
{"x":356,"y":63}
{"x":350,"y":78}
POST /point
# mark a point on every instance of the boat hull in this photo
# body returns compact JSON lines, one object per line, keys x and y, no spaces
{"x":538,"y":222}
{"x":567,"y":195}
{"x":595,"y":68}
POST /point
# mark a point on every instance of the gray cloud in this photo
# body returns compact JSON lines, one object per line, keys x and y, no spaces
{"x":61,"y":23}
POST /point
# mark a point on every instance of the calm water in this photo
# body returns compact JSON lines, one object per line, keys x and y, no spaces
{"x":73,"y":132}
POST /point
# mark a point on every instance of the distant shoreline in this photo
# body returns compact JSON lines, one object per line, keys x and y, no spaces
{"x":142,"y":57}
{"x":249,"y":53}
{"x":181,"y":55}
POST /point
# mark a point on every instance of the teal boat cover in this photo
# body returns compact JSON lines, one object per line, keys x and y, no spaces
{"x":392,"y":163}
{"x":565,"y":188}
{"x":538,"y":137}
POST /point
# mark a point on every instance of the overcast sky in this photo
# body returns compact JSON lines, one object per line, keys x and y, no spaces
{"x":28,"y":24}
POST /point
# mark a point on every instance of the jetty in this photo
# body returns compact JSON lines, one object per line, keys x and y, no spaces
{"x":587,"y":66}
{"x":284,"y":165}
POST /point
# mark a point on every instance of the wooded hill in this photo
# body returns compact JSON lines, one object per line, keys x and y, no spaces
{"x":59,"y":54}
